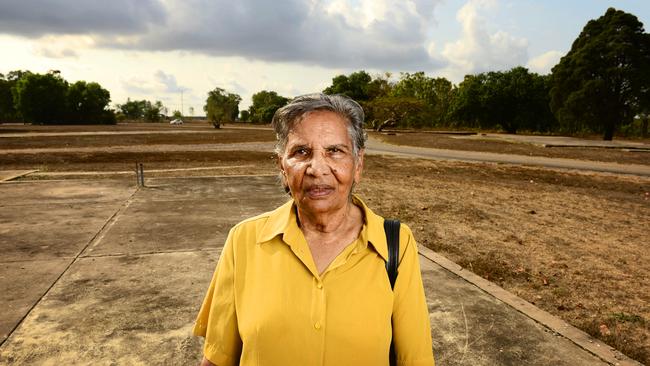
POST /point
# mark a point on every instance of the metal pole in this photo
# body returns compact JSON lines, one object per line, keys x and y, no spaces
{"x":141,"y":175}
{"x":137,"y":175}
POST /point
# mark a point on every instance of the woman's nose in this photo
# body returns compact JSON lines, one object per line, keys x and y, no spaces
{"x":318,"y":165}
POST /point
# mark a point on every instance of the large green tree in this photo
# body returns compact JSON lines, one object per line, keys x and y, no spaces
{"x":509,"y":100}
{"x":391,"y":111}
{"x":265,"y":103}
{"x":141,"y":110}
{"x":8,"y":110}
{"x":356,"y":85}
{"x":41,"y":98}
{"x":600,"y":84}
{"x":221,"y":106}
{"x":435,"y":93}
{"x":88,"y":103}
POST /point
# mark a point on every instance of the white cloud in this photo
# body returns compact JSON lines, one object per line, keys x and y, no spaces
{"x":543,"y":63}
{"x":480,"y":49}
{"x":66,"y":46}
{"x":169,"y":83}
{"x":138,"y":86}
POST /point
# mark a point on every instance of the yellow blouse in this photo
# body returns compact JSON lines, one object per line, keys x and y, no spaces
{"x":267,"y":304}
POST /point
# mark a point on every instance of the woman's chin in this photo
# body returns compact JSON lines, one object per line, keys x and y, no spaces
{"x":318,"y":204}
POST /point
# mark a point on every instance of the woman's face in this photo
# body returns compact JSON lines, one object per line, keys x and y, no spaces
{"x":318,"y":163}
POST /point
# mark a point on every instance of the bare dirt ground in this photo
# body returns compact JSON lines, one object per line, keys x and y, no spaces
{"x":441,"y":141}
{"x":574,"y":244}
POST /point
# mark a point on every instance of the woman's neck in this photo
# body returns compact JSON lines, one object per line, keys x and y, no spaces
{"x":338,"y":220}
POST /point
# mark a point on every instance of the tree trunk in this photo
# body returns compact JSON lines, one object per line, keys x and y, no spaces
{"x":644,"y":127}
{"x":609,"y":134}
{"x":609,"y":130}
{"x":387,"y":123}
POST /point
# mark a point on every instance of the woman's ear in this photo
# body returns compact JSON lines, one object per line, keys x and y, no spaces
{"x":359,"y":166}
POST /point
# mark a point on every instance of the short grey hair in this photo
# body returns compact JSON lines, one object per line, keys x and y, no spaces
{"x":298,"y":108}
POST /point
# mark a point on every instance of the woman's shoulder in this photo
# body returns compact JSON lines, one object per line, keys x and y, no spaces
{"x":263,"y":222}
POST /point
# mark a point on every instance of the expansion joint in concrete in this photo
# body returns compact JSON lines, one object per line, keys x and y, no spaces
{"x":151,"y":253}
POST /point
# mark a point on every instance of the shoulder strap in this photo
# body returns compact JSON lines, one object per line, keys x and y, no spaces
{"x":391,"y":227}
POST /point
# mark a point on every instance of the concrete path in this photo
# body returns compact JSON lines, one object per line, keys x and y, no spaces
{"x":102,"y":272}
{"x":375,"y":146}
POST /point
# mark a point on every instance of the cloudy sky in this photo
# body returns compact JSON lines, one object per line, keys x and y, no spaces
{"x":170,"y":50}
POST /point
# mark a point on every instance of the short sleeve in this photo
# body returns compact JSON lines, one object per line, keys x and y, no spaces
{"x":217,"y":319}
{"x":411,"y":326}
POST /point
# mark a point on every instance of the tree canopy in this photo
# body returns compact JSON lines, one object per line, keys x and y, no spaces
{"x":48,"y":98}
{"x":141,"y":110}
{"x":87,"y":102}
{"x":41,"y":98}
{"x":604,"y":80}
{"x":356,"y":85}
{"x":221,"y":106}
{"x":265,"y":103}
{"x":510,"y":100}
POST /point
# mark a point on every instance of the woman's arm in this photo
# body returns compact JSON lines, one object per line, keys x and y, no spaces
{"x":411,"y":329}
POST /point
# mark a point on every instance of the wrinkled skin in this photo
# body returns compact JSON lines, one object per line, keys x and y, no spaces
{"x":319,"y":166}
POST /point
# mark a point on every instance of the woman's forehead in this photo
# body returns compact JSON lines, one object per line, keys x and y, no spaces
{"x":320,"y":126}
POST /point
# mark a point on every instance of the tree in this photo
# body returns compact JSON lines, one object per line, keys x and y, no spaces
{"x":88,"y":103}
{"x":601,"y":81}
{"x":177,"y":115}
{"x":444,"y":91}
{"x":141,"y":110}
{"x":41,"y":98}
{"x":380,"y":86}
{"x":265,"y":103}
{"x":355,"y":85}
{"x":385,"y":112}
{"x":221,"y":106}
{"x":435,"y":93}
{"x":153,"y":111}
{"x":244,"y":116}
{"x":8,"y":110}
{"x":511,"y":100}
{"x":466,"y":108}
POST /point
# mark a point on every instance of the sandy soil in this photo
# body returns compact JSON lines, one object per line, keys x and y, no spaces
{"x":574,"y":244}
{"x":511,"y":147}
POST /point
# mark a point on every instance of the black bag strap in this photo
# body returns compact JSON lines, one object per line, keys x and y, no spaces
{"x":391,"y":227}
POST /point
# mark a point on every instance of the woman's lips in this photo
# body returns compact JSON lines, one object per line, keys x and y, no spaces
{"x":319,"y":191}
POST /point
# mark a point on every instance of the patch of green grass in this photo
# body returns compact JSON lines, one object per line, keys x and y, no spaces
{"x":628,"y":318}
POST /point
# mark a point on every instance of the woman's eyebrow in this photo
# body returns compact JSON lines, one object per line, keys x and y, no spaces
{"x":299,"y":146}
{"x":338,"y":146}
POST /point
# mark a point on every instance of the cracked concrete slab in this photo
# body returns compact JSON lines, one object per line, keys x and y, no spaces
{"x":176,"y":215}
{"x":125,"y":310}
{"x":23,"y":283}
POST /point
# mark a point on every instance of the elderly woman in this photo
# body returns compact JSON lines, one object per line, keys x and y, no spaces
{"x":306,"y":284}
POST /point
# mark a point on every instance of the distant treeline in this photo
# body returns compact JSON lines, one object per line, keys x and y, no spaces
{"x":48,"y":99}
{"x":601,"y":86}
